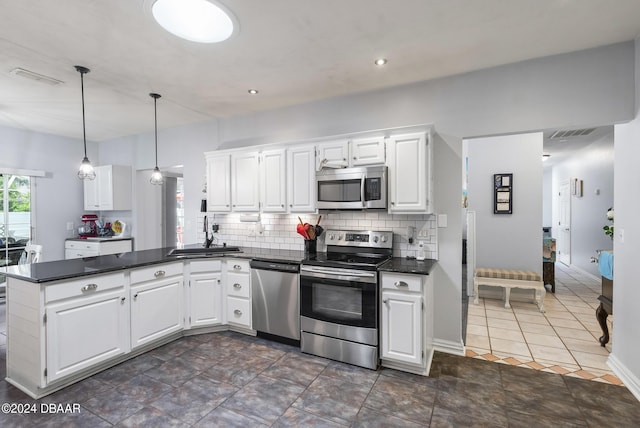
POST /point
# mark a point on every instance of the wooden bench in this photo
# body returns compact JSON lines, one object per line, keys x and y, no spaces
{"x":508,"y":279}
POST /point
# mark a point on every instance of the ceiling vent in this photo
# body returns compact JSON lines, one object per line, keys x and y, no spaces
{"x":571,"y":133}
{"x":21,"y":72}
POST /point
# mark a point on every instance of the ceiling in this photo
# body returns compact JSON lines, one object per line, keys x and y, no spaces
{"x":292,"y":51}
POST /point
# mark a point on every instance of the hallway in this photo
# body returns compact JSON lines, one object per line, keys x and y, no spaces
{"x":562,"y":340}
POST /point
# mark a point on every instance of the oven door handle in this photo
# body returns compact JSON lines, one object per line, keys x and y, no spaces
{"x":340,"y":276}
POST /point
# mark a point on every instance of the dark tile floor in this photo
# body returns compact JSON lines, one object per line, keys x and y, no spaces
{"x":228,"y":379}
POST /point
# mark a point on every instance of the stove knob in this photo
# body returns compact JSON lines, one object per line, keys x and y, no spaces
{"x":332,"y":237}
{"x":375,"y":239}
{"x":384,"y":238}
{"x":339,"y":237}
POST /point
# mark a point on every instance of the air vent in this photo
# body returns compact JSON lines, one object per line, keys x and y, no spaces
{"x":571,"y":133}
{"x":21,"y":72}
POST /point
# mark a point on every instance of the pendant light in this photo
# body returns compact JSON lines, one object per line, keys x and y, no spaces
{"x":86,"y":171}
{"x":156,"y":175}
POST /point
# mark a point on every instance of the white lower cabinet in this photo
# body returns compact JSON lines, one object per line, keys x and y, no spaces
{"x":406,"y":338}
{"x":156,"y":303}
{"x":205,"y":293}
{"x":88,"y":328}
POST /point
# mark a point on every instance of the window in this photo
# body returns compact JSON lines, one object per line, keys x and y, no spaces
{"x":15,"y":217}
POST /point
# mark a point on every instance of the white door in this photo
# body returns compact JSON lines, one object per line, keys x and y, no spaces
{"x":367,"y":151}
{"x":82,"y":333}
{"x":156,"y":310}
{"x":206,"y":298}
{"x":563,"y":236}
{"x":245,"y":177}
{"x":401,"y":327}
{"x":301,"y":179}
{"x":333,"y":154}
{"x":407,"y":173}
{"x":273,"y":192}
{"x":219,"y":183}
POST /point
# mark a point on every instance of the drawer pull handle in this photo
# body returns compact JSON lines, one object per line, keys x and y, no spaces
{"x":159,"y":273}
{"x":401,"y":284}
{"x":238,"y":312}
{"x":237,"y":286}
{"x":89,"y":287}
{"x":237,"y":267}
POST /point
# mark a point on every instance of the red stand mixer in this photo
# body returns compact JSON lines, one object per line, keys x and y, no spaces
{"x":88,"y":228}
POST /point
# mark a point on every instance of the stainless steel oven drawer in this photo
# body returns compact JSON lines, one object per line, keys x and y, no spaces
{"x":368,"y":336}
{"x":340,"y":350}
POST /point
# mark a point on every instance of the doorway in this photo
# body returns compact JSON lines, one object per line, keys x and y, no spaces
{"x":564,"y":223}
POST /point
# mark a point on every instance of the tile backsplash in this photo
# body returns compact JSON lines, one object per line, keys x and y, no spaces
{"x":278,"y":231}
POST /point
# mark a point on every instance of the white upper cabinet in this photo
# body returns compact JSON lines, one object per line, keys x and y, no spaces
{"x":110,"y":190}
{"x":410,"y":173}
{"x":301,"y":179}
{"x":333,"y":154}
{"x":219,"y":183}
{"x":245,"y":182}
{"x":273,"y":181}
{"x":367,"y":151}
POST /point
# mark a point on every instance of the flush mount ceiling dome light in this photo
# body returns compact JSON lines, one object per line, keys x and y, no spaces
{"x":200,"y":21}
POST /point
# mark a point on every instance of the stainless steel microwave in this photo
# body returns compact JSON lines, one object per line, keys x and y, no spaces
{"x":352,"y":188}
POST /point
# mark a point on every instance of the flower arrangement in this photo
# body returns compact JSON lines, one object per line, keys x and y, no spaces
{"x":608,"y":230}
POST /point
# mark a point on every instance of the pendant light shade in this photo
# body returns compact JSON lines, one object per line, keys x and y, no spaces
{"x":156,"y":175}
{"x":86,"y":171}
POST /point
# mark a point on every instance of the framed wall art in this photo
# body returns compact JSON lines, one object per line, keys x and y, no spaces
{"x":503,"y":193}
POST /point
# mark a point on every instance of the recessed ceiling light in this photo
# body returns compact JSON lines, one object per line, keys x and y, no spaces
{"x":253,"y":91}
{"x":200,"y":21}
{"x":381,"y":61}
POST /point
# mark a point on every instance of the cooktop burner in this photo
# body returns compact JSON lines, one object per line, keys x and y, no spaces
{"x":365,"y":250}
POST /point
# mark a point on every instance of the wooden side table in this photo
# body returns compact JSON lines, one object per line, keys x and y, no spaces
{"x":549,"y":274}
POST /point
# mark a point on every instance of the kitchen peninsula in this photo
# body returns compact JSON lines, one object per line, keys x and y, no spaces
{"x":70,"y":319}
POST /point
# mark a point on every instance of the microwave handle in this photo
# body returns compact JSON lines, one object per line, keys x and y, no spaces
{"x":362,"y":195}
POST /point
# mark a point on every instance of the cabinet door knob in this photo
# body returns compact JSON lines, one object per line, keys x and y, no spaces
{"x":385,"y":301}
{"x":291,"y":205}
{"x":159,"y":273}
{"x":238,"y":312}
{"x":135,"y":296}
{"x":400,"y":284}
{"x":227,"y":205}
{"x":237,"y":286}
{"x":393,"y":203}
{"x":89,"y":287}
{"x":237,"y":267}
{"x":282,"y":205}
{"x":355,"y":158}
{"x":122,"y":299}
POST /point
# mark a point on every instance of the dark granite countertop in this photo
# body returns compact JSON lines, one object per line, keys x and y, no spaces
{"x":403,"y":265}
{"x":74,"y":268}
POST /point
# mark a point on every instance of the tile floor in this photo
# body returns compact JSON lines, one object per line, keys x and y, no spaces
{"x":232,"y":380}
{"x":562,"y":340}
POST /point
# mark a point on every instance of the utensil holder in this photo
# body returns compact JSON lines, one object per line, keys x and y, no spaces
{"x":310,"y":247}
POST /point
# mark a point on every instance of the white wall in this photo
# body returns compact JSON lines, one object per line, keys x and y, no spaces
{"x":58,"y":195}
{"x":626,"y":290}
{"x":507,"y":241}
{"x":547,"y":197}
{"x":594,"y":165}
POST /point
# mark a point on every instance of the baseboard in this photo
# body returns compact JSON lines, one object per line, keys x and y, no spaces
{"x":449,"y":347}
{"x":631,"y":381}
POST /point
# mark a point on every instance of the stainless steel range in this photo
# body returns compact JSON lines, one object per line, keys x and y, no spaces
{"x":339,"y":297}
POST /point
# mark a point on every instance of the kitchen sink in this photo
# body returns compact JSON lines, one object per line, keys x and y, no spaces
{"x":202,"y":252}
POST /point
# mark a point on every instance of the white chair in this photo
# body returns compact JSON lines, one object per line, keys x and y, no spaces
{"x":31,"y":254}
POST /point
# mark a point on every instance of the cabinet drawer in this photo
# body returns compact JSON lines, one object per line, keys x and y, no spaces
{"x":239,"y":311}
{"x":79,"y":254}
{"x":82,"y":245}
{"x":238,"y":266}
{"x":238,"y":284}
{"x":86,"y":286}
{"x":398,"y":281}
{"x":205,"y":266}
{"x":156,"y":272}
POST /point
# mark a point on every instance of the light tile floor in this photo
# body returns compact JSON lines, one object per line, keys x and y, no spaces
{"x":562,"y":340}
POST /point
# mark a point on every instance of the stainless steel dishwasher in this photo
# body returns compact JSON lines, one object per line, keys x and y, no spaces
{"x":275,"y":290}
